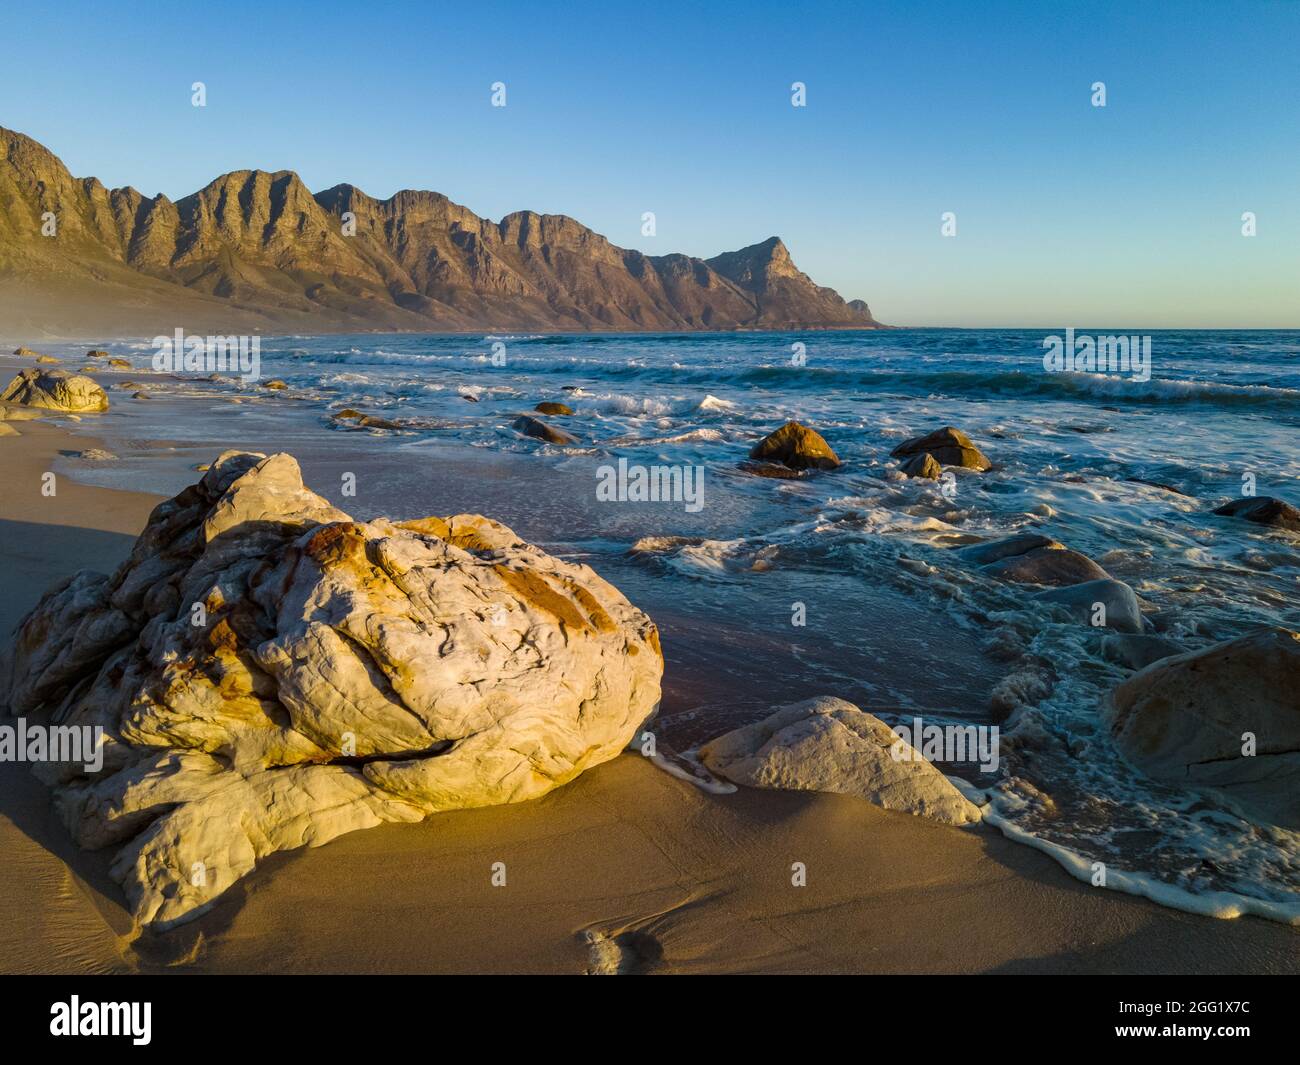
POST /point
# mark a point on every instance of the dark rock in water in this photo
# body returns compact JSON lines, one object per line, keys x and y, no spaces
{"x":468,"y":397}
{"x":139,"y":395}
{"x":797,"y":447}
{"x":1263,"y":510}
{"x":365,"y":421}
{"x":1139,"y":651}
{"x":275,"y":384}
{"x":570,"y":388}
{"x":347,"y":414}
{"x":996,"y":550}
{"x":539,"y":429}
{"x":1048,"y":565}
{"x":1184,"y":720}
{"x":922,"y":466}
{"x":553,"y":408}
{"x":1158,"y":484}
{"x":949,"y":446}
{"x":773,"y":470}
{"x":97,"y":354}
{"x":1117,"y":599}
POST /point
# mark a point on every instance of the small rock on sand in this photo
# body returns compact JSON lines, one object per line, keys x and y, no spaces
{"x":827,"y":744}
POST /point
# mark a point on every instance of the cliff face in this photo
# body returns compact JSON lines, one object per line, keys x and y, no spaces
{"x":259,"y":250}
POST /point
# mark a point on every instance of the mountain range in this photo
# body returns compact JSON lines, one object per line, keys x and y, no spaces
{"x":259,"y":251}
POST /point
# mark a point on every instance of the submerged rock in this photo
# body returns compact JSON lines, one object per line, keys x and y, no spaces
{"x":923,"y":465}
{"x":1114,"y":602}
{"x":1263,"y":510}
{"x":1047,"y":565}
{"x":553,"y":408}
{"x":275,"y":384}
{"x":97,"y":353}
{"x":1139,"y":651}
{"x":1190,"y":720}
{"x":827,"y":744}
{"x":996,"y":550}
{"x":270,"y":674}
{"x":535,"y":427}
{"x":55,"y":390}
{"x":949,"y":446}
{"x":797,"y":447}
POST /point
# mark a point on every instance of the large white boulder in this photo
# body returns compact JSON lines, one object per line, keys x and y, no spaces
{"x":828,"y":744}
{"x":270,"y":674}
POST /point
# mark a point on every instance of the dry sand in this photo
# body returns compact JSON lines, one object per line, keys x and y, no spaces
{"x":669,"y":879}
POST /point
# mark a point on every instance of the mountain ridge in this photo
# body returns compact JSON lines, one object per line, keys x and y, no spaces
{"x":255,"y":249}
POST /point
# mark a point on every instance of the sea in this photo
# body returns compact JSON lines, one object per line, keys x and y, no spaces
{"x":846,"y":582}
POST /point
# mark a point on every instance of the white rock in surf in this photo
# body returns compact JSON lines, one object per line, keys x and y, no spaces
{"x":270,"y":674}
{"x":828,"y":744}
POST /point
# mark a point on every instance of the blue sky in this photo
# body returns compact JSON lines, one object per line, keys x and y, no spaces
{"x":1067,"y":214}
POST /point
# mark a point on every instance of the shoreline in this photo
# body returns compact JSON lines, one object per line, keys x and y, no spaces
{"x":678,"y":880}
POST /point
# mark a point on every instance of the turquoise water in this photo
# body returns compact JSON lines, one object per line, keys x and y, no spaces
{"x":895,"y":621}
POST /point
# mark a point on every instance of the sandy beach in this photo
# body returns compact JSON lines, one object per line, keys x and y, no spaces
{"x":625,"y":869}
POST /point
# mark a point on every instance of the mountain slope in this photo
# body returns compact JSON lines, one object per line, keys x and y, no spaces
{"x":259,"y":250}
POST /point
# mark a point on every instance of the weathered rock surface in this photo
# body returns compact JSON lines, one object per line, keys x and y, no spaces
{"x":55,"y":390}
{"x":827,"y":744}
{"x":1263,"y":510}
{"x":797,"y":447}
{"x":923,"y":465}
{"x":949,"y":446}
{"x":1117,"y":598}
{"x":537,"y":428}
{"x":1183,"y":720}
{"x":270,"y":674}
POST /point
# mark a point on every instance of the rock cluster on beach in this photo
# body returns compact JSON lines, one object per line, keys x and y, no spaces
{"x":270,"y":674}
{"x":55,"y":390}
{"x":1226,"y":717}
{"x":828,"y":744}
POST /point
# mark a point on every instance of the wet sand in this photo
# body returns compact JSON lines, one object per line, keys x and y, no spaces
{"x":666,"y":877}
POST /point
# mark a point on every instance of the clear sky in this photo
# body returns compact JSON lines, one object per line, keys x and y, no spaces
{"x":1067,"y":214}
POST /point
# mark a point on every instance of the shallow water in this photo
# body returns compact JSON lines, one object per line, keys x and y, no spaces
{"x":894,"y":620}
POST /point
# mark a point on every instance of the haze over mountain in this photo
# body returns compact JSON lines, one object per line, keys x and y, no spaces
{"x":256,"y":250}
